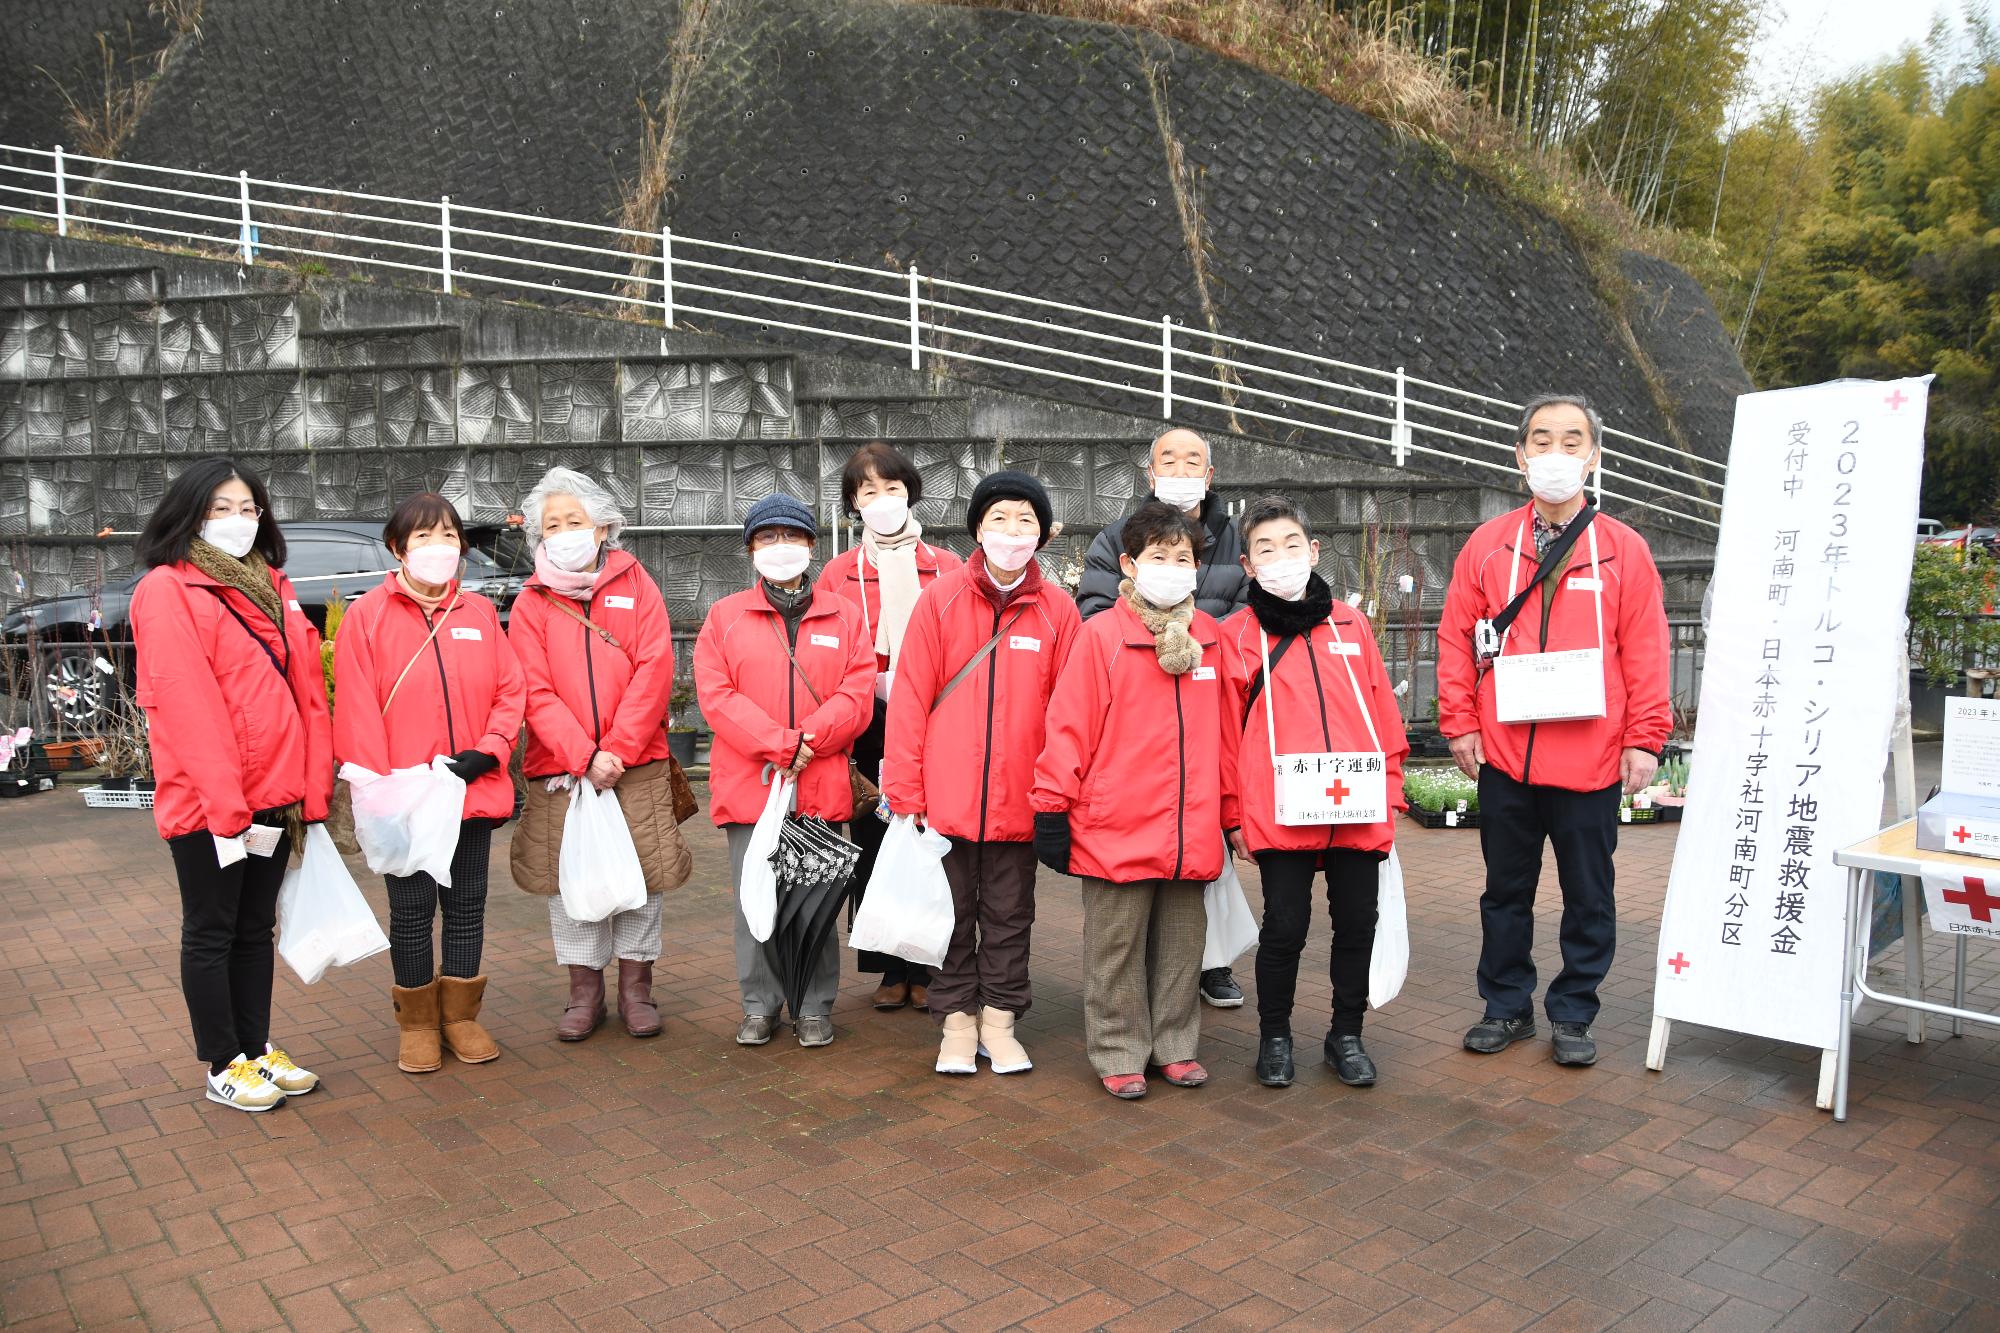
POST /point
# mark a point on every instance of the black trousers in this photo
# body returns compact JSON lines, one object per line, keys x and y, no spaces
{"x":416,"y":901}
{"x":865,"y":832}
{"x":228,"y":915}
{"x":1514,"y":820}
{"x":1351,"y":880}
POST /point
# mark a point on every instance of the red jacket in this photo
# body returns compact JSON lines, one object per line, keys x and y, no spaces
{"x":584,"y":695}
{"x":968,"y":766}
{"x":1312,"y":701}
{"x":851,"y":576}
{"x":1581,"y":754}
{"x":462,"y":691}
{"x":232,"y":731}
{"x":761,"y":708}
{"x":1144,"y":762}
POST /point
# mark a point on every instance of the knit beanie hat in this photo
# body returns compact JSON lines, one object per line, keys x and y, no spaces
{"x":780,"y":511}
{"x":1009,"y":485}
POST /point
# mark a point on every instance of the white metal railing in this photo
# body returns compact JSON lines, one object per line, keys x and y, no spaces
{"x":1144,"y":362}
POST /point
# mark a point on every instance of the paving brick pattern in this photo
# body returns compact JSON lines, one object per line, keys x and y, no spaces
{"x":686,"y":1182}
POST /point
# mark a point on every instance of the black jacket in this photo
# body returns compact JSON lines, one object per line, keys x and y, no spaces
{"x":1220,"y":588}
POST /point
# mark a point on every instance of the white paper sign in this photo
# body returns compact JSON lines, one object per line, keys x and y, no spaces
{"x":1798,"y":694}
{"x":1962,"y":904}
{"x":1971,"y":747}
{"x":1331,"y":788}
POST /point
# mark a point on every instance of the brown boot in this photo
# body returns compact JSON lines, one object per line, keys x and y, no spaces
{"x":635,"y":999}
{"x":586,"y":1004}
{"x":458,"y":1001}
{"x":418,"y":1050}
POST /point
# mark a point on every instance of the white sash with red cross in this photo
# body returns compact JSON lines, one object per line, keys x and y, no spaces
{"x":1332,"y":786}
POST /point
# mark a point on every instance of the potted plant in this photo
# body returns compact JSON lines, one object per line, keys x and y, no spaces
{"x":1668,"y":794}
{"x":1951,"y":626}
{"x":127,"y":755}
{"x":682,"y":734}
{"x":1441,"y":797}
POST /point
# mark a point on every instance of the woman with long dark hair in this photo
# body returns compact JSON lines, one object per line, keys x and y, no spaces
{"x":422,"y":669}
{"x":229,"y":677}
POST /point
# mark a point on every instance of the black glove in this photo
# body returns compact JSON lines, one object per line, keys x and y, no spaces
{"x":1052,"y":840}
{"x":469,"y":764}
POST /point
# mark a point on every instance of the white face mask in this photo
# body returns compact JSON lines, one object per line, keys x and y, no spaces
{"x":234,"y":535}
{"x":885,"y":515}
{"x":781,"y":562}
{"x":572,"y":550}
{"x":1004,"y":551}
{"x":432,"y":565}
{"x":1183,"y":493}
{"x":1165,"y":586}
{"x":1555,"y":478}
{"x":1285,"y":579}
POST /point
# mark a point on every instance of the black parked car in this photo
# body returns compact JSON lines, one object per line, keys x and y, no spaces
{"x":75,"y":665}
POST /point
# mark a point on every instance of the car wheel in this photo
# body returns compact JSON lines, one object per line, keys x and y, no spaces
{"x":74,"y":696}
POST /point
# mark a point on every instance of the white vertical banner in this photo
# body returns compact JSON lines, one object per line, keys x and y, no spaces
{"x":1798,"y":694}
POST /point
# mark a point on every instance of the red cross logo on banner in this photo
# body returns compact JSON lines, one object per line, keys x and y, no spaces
{"x":1679,"y":962}
{"x":1960,"y":834}
{"x":1896,"y":400}
{"x":1974,"y":898}
{"x":1338,"y":791}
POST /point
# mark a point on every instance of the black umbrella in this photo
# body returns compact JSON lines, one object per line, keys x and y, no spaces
{"x":814,"y":866}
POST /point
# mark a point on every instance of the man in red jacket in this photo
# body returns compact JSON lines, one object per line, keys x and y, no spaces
{"x":1553,"y":691}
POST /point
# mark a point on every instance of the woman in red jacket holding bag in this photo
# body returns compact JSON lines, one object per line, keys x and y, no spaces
{"x":1133,"y":792}
{"x":786,"y":678}
{"x":592,"y":634}
{"x":229,"y":676}
{"x":883,"y":577}
{"x":421,"y":669}
{"x":966,"y":719}
{"x":1323,"y":704}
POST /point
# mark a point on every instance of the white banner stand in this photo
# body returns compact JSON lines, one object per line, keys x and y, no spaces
{"x":1804,"y":697}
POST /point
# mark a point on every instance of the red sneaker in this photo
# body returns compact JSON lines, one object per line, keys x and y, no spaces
{"x":1126,"y":1087}
{"x":1184,"y":1074}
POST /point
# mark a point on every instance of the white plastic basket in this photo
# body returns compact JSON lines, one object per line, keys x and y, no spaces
{"x":100,"y":798}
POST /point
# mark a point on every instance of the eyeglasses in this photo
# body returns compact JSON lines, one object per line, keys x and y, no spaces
{"x":224,"y":509}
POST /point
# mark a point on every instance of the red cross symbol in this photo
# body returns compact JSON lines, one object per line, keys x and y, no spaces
{"x":1960,"y":834}
{"x":1678,"y":962}
{"x":1338,"y":791}
{"x":1974,"y":898}
{"x":1896,"y":400}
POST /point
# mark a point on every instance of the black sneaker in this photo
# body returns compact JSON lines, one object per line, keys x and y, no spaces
{"x":1574,"y":1045}
{"x":1220,"y":989}
{"x":1274,"y":1062}
{"x":1492,"y":1035}
{"x":1349,"y":1060}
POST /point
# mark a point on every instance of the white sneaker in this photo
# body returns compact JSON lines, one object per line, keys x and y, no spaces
{"x":291,"y":1080}
{"x":244,"y":1087}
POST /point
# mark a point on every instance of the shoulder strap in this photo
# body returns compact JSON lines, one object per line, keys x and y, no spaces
{"x":567,"y":607}
{"x":283,"y":668}
{"x":786,"y":644}
{"x":1557,"y":553}
{"x":1257,"y":680}
{"x":436,"y":625}
{"x":978,"y":657}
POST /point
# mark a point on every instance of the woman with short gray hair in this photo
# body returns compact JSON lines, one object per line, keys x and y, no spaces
{"x":592,"y":634}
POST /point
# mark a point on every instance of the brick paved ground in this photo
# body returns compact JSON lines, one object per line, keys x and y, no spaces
{"x":687,"y":1182}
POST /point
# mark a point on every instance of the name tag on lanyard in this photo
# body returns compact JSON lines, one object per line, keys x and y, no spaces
{"x":1552,"y":687}
{"x":1321,"y":787}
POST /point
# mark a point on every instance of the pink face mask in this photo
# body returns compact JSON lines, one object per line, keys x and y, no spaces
{"x":432,"y":565}
{"x":1008,"y":552}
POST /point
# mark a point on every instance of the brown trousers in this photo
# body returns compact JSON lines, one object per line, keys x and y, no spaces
{"x":993,"y":901}
{"x":1142,"y":946}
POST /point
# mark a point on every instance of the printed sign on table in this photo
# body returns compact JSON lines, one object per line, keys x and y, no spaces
{"x":1797,"y":699}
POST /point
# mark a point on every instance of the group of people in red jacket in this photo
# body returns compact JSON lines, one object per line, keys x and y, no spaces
{"x":1137,"y":751}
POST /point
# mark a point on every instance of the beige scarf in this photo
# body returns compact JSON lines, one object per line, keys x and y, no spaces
{"x":249,"y":576}
{"x":1173,"y":645}
{"x":895,"y":561}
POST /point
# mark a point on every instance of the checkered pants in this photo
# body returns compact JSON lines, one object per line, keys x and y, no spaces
{"x":633,"y":935}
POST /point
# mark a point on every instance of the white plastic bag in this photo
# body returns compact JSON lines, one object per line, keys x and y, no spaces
{"x":907,"y":909}
{"x":598,"y":869}
{"x":407,"y":821}
{"x":1231,"y":927}
{"x":323,"y":921}
{"x":1389,"y":961}
{"x":759,"y":889}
